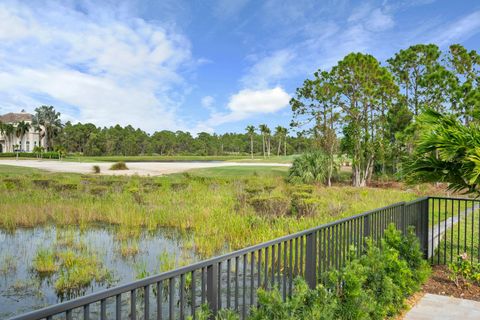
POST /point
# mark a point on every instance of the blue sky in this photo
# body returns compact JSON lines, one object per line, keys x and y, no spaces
{"x":193,"y":65}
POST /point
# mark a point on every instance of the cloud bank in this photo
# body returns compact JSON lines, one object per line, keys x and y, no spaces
{"x":94,"y":63}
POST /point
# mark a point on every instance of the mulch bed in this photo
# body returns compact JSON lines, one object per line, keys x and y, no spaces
{"x":439,"y":283}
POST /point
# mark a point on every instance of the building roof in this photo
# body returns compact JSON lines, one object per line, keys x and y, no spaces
{"x":16,"y":117}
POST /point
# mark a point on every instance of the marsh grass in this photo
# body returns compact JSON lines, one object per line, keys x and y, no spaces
{"x":8,"y":265}
{"x":78,"y":270}
{"x":129,"y":249}
{"x":216,"y":210}
{"x":45,"y":262}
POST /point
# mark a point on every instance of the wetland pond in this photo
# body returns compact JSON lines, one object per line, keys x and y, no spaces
{"x":44,"y":266}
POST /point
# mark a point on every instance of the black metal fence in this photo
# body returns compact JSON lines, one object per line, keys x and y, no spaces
{"x":231,"y":280}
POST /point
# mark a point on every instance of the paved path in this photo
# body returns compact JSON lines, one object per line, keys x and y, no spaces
{"x":438,"y":232}
{"x":436,"y":307}
{"x":140,"y":168}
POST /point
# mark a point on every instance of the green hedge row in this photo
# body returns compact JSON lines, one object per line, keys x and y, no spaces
{"x":44,"y":155}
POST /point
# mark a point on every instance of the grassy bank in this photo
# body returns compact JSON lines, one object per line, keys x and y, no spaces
{"x":222,"y":211}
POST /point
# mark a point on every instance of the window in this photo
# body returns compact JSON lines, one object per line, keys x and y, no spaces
{"x":28,"y":146}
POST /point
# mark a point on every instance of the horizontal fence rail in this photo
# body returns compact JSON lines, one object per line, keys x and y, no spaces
{"x":231,"y":280}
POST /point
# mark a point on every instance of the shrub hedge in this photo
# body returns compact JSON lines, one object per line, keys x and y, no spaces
{"x":44,"y":155}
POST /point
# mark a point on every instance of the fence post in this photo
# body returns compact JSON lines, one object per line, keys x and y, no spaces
{"x":212,"y":287}
{"x":424,"y":218}
{"x":366,"y":226}
{"x":403,"y":219}
{"x":311,"y":260}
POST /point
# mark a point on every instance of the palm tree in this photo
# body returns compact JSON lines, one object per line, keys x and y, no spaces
{"x":47,"y":121}
{"x":447,"y":151}
{"x":22,"y":128}
{"x":284,"y":134}
{"x":2,"y":132}
{"x":263,"y":129}
{"x":251,"y":132}
{"x":277,"y":135}
{"x":268,"y":134}
{"x":9,"y":130}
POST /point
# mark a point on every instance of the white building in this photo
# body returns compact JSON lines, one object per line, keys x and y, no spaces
{"x":14,"y":142}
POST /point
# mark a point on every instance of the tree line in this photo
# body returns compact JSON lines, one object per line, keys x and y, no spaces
{"x":91,"y":140}
{"x":369,"y":110}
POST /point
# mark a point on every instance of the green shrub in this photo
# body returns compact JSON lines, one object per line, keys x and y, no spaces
{"x":119,"y":166}
{"x":42,"y":183}
{"x":304,"y":206}
{"x":12,"y":183}
{"x":98,"y":190}
{"x":204,"y":313}
{"x":309,"y":168}
{"x":303,"y":304}
{"x":303,"y":188}
{"x":270,"y":206}
{"x":96,"y":169}
{"x":179,"y":186}
{"x":464,"y":271}
{"x":65,"y":187}
{"x":45,"y":155}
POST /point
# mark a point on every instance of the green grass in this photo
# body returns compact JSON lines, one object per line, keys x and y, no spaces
{"x":214,"y":205}
{"x":463,"y":237}
{"x":6,"y":170}
{"x":239,"y":171}
{"x":240,"y":158}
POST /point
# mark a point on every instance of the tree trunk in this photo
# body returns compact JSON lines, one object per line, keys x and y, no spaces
{"x":263,"y":145}
{"x":251,"y":145}
{"x":279,"y":144}
{"x":269,"y":145}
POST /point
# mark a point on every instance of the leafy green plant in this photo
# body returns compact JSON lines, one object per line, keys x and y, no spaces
{"x":204,"y":313}
{"x":270,"y":206}
{"x":303,"y":304}
{"x":309,"y":168}
{"x":447,"y":151}
{"x":464,"y":271}
{"x":119,"y":166}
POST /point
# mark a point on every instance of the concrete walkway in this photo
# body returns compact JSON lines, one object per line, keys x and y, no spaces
{"x":440,"y":228}
{"x":437,"y":307}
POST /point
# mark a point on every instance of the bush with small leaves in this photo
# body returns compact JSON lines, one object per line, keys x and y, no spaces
{"x":119,"y":166}
{"x":464,"y":271}
{"x":96,"y":169}
{"x":270,"y":206}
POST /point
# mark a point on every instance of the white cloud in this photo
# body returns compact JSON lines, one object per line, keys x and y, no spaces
{"x":268,"y":69}
{"x":228,"y":8}
{"x":379,"y":21}
{"x":248,"y":103}
{"x":95,"y":65}
{"x":259,"y":101}
{"x":459,"y":30}
{"x":208,"y":101}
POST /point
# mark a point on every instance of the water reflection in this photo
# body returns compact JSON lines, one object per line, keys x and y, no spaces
{"x":22,"y":289}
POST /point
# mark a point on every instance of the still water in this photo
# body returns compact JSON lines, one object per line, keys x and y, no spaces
{"x":23,"y":290}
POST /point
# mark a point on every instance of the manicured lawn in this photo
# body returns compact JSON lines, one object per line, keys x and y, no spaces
{"x":238,"y":171}
{"x":242,"y":158}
